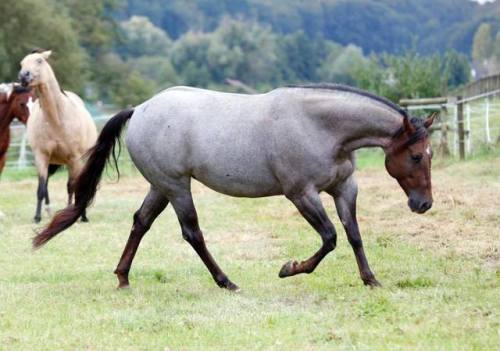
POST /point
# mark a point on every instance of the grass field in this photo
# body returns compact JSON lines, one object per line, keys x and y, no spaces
{"x":440,"y":271}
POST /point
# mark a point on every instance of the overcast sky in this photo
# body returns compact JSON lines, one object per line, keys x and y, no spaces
{"x":483,"y":1}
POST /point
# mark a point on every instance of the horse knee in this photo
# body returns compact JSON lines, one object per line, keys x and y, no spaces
{"x":140,"y":225}
{"x":193,"y":237}
{"x":330,"y":241}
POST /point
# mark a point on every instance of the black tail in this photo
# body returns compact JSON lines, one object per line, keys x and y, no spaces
{"x":87,"y":181}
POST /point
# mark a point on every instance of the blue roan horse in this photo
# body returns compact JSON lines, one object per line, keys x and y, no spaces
{"x":293,"y":141}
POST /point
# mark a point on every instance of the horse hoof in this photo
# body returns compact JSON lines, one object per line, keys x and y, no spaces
{"x":123,"y":286}
{"x":85,"y":220}
{"x":232,"y":287}
{"x":37,"y":219}
{"x":372,"y":283}
{"x":288,"y":269}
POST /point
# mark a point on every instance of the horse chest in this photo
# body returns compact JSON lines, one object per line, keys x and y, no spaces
{"x":341,"y":170}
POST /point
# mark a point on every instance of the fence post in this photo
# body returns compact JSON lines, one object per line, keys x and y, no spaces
{"x":460,"y":127}
{"x":468,"y":132}
{"x":21,"y":162}
{"x":443,"y":115}
{"x":487,"y":120}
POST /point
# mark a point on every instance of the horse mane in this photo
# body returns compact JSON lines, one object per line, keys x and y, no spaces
{"x":420,"y":130}
{"x":349,"y":89}
{"x":420,"y":133}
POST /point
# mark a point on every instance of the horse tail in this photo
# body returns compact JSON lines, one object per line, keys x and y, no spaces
{"x":88,"y":179}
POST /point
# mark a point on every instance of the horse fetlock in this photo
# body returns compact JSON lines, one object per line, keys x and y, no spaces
{"x":369,"y":280}
{"x":122,"y":275}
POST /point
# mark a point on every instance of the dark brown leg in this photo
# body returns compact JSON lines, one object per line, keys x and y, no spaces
{"x":40,"y":195}
{"x":188,"y":219}
{"x":345,"y":202}
{"x":70,"y":189}
{"x":153,"y":205}
{"x":310,"y":207}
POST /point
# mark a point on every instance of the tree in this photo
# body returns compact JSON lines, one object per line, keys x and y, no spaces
{"x":26,"y":24}
{"x":143,"y":38}
{"x":92,"y":21}
{"x":482,"y":45}
{"x":456,"y":69}
{"x":342,"y":67}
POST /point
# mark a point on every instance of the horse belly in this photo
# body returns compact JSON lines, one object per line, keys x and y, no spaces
{"x":239,"y":182}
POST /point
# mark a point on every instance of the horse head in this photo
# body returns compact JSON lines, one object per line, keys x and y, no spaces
{"x":21,"y":102}
{"x":35,"y":69}
{"x":408,"y":160}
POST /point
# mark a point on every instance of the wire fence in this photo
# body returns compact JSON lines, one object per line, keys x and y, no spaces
{"x":472,"y":123}
{"x":20,"y":155}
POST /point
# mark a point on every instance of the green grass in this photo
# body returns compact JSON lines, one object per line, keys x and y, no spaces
{"x":63,"y":296}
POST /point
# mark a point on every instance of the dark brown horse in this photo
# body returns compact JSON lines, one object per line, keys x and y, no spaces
{"x":14,"y":102}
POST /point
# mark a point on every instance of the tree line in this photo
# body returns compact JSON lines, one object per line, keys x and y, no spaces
{"x":116,"y":51}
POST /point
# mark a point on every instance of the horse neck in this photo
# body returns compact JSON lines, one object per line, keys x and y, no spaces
{"x":50,"y":97}
{"x":6,"y":118}
{"x":356,"y":121}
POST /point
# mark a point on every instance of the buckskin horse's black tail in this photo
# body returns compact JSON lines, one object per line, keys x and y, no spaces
{"x":87,"y":181}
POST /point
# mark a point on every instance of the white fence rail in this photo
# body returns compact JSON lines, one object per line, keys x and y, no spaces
{"x":481,"y":123}
{"x":19,"y":155}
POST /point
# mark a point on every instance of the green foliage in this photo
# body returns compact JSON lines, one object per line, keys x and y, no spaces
{"x":412,"y":75}
{"x":143,"y":38}
{"x":26,"y":24}
{"x":341,"y":66}
{"x":482,"y":46}
{"x":375,"y":26}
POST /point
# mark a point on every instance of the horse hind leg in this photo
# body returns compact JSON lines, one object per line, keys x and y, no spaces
{"x":188,"y":219}
{"x":310,"y":207}
{"x":153,"y":205}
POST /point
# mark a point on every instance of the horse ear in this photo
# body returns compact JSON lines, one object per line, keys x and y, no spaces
{"x":46,"y":54}
{"x":409,"y":128}
{"x":428,"y":122}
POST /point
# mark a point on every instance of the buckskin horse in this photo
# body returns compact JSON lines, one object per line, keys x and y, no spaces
{"x":293,"y":141}
{"x":60,"y":129}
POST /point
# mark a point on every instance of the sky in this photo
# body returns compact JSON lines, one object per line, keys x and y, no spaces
{"x":483,"y":1}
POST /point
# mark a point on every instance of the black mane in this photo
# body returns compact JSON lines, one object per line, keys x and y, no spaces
{"x":346,"y":88}
{"x":420,"y":130}
{"x":419,"y":134}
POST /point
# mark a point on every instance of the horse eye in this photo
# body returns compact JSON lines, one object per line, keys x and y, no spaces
{"x":416,"y":158}
{"x":39,"y":61}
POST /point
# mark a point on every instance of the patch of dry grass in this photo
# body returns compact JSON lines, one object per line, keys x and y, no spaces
{"x":439,"y":270}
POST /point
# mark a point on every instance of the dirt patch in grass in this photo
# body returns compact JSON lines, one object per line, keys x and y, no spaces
{"x":464,"y":219}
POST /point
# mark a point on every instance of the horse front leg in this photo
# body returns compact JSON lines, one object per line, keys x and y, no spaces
{"x":345,"y":201}
{"x":310,"y":207}
{"x":41,"y":193}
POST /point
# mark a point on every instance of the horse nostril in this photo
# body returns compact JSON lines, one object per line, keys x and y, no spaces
{"x":425,"y":206}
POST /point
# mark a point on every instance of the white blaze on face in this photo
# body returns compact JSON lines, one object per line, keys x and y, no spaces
{"x":30,"y":105}
{"x":6,"y":88}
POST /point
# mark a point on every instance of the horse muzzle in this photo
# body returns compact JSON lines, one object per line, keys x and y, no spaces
{"x":419,"y":205}
{"x":25,"y":78}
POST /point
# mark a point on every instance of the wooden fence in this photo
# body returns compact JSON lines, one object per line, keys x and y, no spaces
{"x":469,"y":121}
